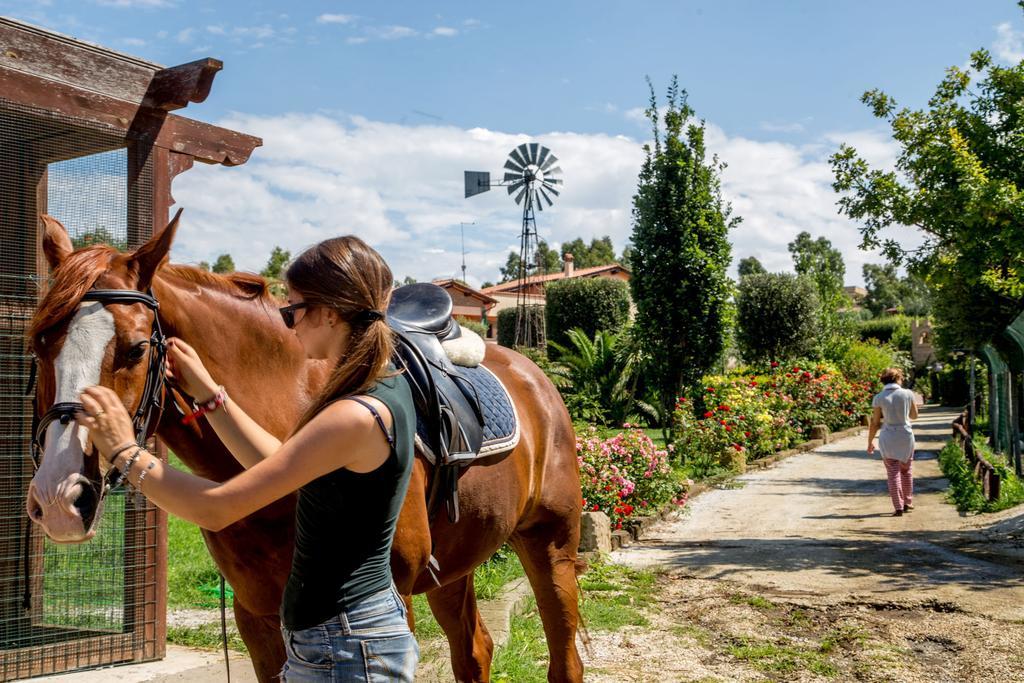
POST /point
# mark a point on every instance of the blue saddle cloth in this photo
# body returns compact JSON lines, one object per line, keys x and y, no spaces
{"x":501,"y":425}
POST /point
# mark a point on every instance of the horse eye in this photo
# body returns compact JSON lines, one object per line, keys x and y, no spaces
{"x":137,"y":352}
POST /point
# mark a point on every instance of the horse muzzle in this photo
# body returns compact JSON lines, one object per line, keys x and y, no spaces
{"x":67,"y":514}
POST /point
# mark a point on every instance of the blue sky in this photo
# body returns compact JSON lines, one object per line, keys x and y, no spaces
{"x":370,"y":111}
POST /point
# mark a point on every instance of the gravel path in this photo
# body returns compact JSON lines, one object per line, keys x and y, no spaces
{"x":805,"y":561}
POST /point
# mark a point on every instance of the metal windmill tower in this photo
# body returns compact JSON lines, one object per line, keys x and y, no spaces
{"x":532,"y":176}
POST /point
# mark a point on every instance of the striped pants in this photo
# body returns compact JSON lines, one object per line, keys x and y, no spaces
{"x":901,"y":481}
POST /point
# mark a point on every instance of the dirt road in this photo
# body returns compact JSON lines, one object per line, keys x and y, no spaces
{"x":802,"y":573}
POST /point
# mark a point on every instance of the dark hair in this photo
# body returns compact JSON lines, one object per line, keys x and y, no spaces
{"x":892,"y":376}
{"x":345,"y":274}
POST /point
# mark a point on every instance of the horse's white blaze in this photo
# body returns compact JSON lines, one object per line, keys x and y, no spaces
{"x":78,"y":366}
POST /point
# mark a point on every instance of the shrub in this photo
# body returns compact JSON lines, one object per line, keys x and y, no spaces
{"x":776,"y":316}
{"x":965,"y":491}
{"x":625,"y":475}
{"x":760,"y":414}
{"x":894,"y":329}
{"x":475,"y":325}
{"x":507,"y":324}
{"x":589,"y":304}
{"x":864,"y":362}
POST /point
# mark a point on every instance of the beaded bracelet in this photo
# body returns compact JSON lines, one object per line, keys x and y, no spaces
{"x":128,"y":466}
{"x":118,"y":452}
{"x":219,"y":398}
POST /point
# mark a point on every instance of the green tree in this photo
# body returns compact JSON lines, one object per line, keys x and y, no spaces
{"x":224,"y":264}
{"x":626,"y":259}
{"x":818,"y":260}
{"x":883,"y":285}
{"x":680,"y":251}
{"x":750,"y":266}
{"x":957,"y":181}
{"x":777,"y":317}
{"x":203,"y":265}
{"x":546,"y":256}
{"x":599,"y":252}
{"x":279,"y":258}
{"x":100,"y":235}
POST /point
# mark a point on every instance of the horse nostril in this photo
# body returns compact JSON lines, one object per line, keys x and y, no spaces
{"x":86,"y":505}
{"x":35,"y":510}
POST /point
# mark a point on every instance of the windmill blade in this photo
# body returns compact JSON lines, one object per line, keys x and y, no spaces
{"x":549,"y":163}
{"x":553,"y":172}
{"x":552,"y":190}
{"x":513,"y":166}
{"x":515,"y":156}
{"x":534,"y":149}
{"x":524,"y":151}
{"x":544,"y":152}
{"x":544,"y":194}
{"x":512,"y":177}
{"x":519,"y":197}
{"x":515,"y":186}
{"x":553,"y":181}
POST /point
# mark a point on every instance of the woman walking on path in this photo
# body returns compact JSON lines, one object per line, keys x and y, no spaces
{"x":350,"y":458}
{"x":892,"y":410}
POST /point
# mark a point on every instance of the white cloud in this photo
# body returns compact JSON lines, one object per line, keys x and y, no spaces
{"x":335,"y":19}
{"x":356,"y":40}
{"x":401,"y":188}
{"x":394,"y":32}
{"x":135,"y":3}
{"x":133,"y":42}
{"x":781,"y":127}
{"x":185,"y":35}
{"x":216,"y":30}
{"x":1009,"y":43}
{"x":445,"y":31}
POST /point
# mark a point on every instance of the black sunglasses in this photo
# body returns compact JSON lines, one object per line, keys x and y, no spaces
{"x":288,"y":313}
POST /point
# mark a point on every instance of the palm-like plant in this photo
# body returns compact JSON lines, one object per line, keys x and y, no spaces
{"x":601,"y":377}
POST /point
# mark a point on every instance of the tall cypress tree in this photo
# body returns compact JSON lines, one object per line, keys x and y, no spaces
{"x":680,"y":251}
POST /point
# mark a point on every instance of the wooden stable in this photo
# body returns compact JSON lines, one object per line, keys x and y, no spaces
{"x":87,"y":135}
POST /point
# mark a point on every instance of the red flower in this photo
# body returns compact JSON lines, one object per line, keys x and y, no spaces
{"x":728,"y":428}
{"x":708,"y":414}
{"x":596,"y":507}
{"x":746,"y":434}
{"x":775,"y":364}
{"x":737,"y":447}
{"x":721,"y":422}
{"x":724,"y":407}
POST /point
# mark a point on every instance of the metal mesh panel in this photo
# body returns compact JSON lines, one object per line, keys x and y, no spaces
{"x":64,"y":606}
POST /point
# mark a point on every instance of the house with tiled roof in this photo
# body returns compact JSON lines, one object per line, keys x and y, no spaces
{"x":507,"y":293}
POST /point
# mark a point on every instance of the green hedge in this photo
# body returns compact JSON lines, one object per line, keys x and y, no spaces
{"x":776,"y":316}
{"x":507,"y":324}
{"x":590,"y":304}
{"x":893,"y":329}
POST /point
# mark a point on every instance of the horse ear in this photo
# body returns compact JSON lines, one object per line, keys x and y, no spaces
{"x":56,"y":243}
{"x":148,"y":258}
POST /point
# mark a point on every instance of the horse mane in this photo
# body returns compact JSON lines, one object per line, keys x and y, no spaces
{"x":243,"y":285}
{"x":77,"y":275}
{"x":81,"y":269}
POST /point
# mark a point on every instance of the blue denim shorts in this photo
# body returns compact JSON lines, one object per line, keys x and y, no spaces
{"x":370,"y":641}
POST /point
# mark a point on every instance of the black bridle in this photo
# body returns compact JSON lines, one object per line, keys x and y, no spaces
{"x":151,"y":402}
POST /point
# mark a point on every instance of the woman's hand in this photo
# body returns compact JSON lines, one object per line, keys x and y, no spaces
{"x":871,"y":447}
{"x":107,"y":420}
{"x":185,"y":368}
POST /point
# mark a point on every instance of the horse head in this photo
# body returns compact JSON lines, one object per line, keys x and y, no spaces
{"x":79,"y":341}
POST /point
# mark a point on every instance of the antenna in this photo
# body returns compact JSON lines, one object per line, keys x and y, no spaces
{"x":531,"y":174}
{"x":462,"y":235}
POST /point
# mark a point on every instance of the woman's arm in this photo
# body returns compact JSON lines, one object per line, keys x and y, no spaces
{"x":874,"y":424}
{"x":248,"y":442}
{"x":913,"y":407}
{"x":343,"y":435}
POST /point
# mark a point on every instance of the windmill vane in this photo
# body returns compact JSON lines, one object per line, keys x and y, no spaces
{"x":532,"y":177}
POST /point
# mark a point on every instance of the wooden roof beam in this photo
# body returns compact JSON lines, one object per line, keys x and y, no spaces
{"x":174,"y":87}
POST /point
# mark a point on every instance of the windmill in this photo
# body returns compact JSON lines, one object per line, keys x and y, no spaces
{"x":532,"y":177}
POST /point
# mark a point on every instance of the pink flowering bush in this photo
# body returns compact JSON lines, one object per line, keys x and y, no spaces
{"x":625,"y":475}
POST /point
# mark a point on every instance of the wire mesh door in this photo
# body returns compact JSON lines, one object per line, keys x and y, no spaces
{"x":64,"y":607}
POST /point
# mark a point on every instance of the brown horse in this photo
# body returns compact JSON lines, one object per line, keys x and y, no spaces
{"x":529,"y":497}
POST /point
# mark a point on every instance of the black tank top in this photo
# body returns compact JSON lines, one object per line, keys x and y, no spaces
{"x":345,"y":522}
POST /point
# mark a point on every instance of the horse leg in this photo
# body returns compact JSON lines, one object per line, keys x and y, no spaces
{"x":454,"y":607}
{"x":548,"y":552}
{"x":262,"y":636}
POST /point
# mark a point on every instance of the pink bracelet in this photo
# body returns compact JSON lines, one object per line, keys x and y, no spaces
{"x":219,"y":399}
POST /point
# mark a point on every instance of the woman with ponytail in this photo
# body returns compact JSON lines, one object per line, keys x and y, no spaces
{"x":351,"y":452}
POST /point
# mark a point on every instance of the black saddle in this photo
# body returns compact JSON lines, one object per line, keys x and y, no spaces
{"x":446,"y":401}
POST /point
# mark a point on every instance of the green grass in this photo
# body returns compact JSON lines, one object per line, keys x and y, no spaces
{"x":965,"y":490}
{"x":189,"y":566}
{"x":492,"y":575}
{"x":774,"y":658}
{"x":752,"y":600}
{"x":524,"y":658}
{"x":205,"y":636}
